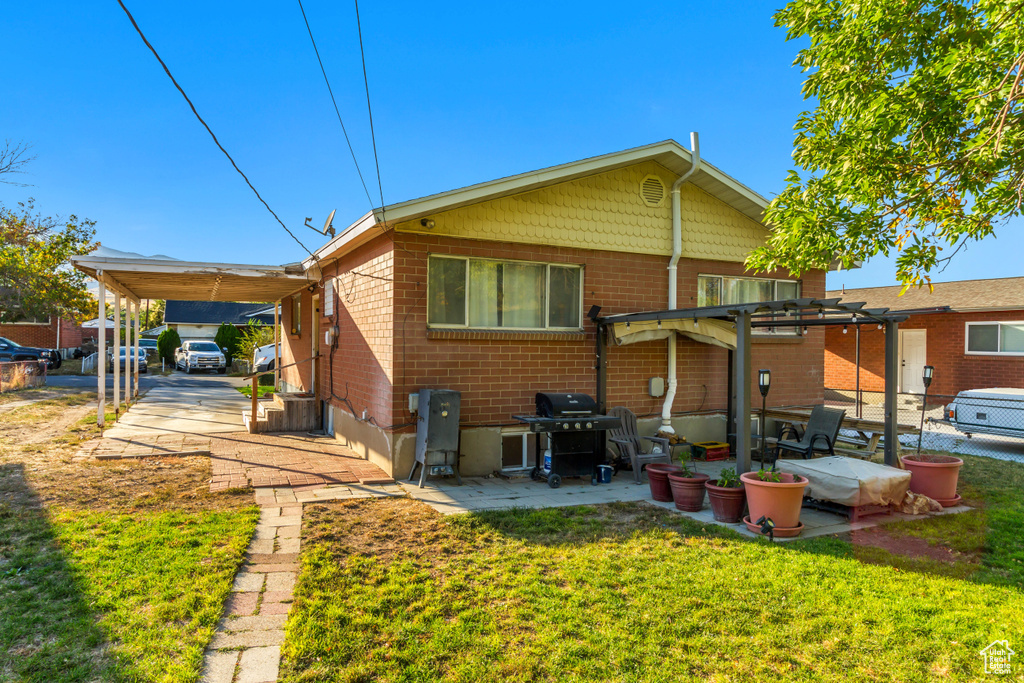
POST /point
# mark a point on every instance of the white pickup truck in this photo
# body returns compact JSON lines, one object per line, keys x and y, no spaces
{"x":997,"y":411}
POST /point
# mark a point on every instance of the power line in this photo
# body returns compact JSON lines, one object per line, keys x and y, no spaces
{"x":369,"y":111}
{"x":335,"y":102}
{"x":208,"y":130}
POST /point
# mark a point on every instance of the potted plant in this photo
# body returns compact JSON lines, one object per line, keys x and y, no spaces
{"x":687,"y":487}
{"x":777,"y":496}
{"x":934,"y":476}
{"x":727,"y":497}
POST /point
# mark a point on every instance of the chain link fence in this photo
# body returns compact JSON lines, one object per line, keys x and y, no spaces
{"x":16,"y":375}
{"x":983,"y":422}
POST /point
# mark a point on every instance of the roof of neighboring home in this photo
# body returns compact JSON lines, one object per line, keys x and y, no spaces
{"x":962,"y":295}
{"x":668,"y":153}
{"x":213,"y":312}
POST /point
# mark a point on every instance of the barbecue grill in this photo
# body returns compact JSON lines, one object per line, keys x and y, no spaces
{"x":575,"y":432}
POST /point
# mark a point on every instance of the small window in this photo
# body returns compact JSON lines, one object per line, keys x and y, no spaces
{"x":719,"y":290}
{"x":995,"y":338}
{"x":297,"y":315}
{"x":490,"y":294}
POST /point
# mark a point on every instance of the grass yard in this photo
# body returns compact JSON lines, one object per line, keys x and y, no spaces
{"x":109,"y":571}
{"x":391,"y":591}
{"x":261,"y":390}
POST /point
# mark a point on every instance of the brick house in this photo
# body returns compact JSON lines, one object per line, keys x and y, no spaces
{"x":53,"y":333}
{"x":484,"y":290}
{"x":202,"y":319}
{"x":970,"y":331}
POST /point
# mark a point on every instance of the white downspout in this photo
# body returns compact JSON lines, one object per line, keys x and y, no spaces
{"x":677,"y":250}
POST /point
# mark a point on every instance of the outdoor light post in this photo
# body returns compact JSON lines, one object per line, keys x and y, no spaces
{"x":927,"y":378}
{"x":764,"y":382}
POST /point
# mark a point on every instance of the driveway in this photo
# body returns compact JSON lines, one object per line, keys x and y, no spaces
{"x":183,"y":404}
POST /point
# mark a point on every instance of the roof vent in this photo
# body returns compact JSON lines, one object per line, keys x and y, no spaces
{"x":652,"y":190}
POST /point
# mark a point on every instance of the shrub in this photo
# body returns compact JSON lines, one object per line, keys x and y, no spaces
{"x":254,"y":335}
{"x":227,"y":338}
{"x":166,"y":343}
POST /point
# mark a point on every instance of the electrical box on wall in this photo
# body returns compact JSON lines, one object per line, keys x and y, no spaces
{"x":328,"y":297}
{"x":414,"y":402}
{"x":656,"y":387}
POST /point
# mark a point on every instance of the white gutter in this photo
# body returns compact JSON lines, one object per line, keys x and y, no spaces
{"x":673,"y":279}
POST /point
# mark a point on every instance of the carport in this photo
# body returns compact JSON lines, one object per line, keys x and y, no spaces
{"x":135,"y":277}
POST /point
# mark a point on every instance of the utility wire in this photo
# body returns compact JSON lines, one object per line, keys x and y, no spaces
{"x":369,"y":111}
{"x":335,"y":102}
{"x":208,"y":130}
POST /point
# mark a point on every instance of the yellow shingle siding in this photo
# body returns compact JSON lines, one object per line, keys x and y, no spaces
{"x":606,"y":212}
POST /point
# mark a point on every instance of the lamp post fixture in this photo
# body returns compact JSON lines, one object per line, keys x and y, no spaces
{"x":927,"y":379}
{"x":764,"y":382}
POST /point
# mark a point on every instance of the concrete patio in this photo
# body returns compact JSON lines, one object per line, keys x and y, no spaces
{"x":476,"y":494}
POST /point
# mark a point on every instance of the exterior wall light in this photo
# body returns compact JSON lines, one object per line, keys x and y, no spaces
{"x":427,"y":223}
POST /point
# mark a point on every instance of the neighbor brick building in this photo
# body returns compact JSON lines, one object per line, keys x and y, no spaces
{"x":485,"y":290}
{"x":54,"y":333}
{"x":970,"y":331}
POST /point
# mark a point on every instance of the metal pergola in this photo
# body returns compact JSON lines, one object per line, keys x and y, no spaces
{"x":746,"y":317}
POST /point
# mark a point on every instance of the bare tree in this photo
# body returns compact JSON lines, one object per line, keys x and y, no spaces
{"x":14,"y":156}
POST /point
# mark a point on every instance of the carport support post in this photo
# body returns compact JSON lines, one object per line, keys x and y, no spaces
{"x":892,"y":369}
{"x":127,"y":351}
{"x":101,"y":353}
{"x":255,"y":395}
{"x":138,"y":305}
{"x":277,"y":350}
{"x":116,"y":358}
{"x":741,"y":387}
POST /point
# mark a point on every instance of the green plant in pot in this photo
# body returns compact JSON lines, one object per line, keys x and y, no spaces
{"x":727,"y":496}
{"x":688,"y":485}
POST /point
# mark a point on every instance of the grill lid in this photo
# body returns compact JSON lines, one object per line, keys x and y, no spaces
{"x":551,"y":404}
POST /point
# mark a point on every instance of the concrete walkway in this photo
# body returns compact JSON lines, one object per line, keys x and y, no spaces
{"x":185,"y":405}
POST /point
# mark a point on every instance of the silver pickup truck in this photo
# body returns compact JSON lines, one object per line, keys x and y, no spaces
{"x":997,"y":411}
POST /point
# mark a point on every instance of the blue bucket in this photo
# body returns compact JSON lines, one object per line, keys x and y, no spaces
{"x":604,"y":474}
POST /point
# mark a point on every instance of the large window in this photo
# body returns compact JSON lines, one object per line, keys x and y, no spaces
{"x":1003,"y":338}
{"x":488,"y":294}
{"x":719,"y":290}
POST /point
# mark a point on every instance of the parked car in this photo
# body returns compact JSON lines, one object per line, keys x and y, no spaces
{"x":997,"y":411}
{"x":263,"y":357}
{"x":9,"y":351}
{"x":149,"y":345}
{"x":200,"y":355}
{"x":130,"y":355}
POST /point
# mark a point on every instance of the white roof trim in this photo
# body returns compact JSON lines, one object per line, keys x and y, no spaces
{"x":667,"y":150}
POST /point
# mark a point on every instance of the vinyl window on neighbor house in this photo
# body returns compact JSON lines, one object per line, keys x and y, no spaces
{"x":490,"y":294}
{"x":995,"y":338}
{"x":720,"y":290}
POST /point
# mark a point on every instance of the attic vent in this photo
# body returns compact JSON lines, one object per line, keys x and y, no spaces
{"x":652,"y":190}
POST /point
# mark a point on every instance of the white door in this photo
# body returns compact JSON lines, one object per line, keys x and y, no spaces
{"x":913,"y":357}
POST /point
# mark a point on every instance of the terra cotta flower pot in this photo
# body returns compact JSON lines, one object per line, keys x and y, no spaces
{"x":934,"y":476}
{"x":657,"y":478}
{"x":688,"y":492}
{"x":727,"y":503}
{"x":779,"y":501}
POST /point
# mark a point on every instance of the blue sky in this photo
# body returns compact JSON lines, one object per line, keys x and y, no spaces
{"x":461,"y":93}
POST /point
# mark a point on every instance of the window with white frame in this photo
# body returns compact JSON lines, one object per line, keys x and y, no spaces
{"x":995,"y":338}
{"x":490,"y":294}
{"x":720,"y":290}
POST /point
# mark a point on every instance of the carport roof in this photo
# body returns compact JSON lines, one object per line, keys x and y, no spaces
{"x":147,"y":277}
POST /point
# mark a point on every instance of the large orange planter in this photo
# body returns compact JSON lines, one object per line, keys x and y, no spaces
{"x":779,"y":501}
{"x":934,"y":476}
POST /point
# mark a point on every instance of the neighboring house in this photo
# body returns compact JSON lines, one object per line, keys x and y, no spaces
{"x":91,"y":331}
{"x":200,"y":319}
{"x":977,"y":343}
{"x":486,"y":290}
{"x":49,"y":333}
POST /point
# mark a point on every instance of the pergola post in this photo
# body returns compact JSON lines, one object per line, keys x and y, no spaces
{"x":602,"y":370}
{"x":892,"y":369}
{"x":101,"y":355}
{"x":741,"y":388}
{"x":116,"y":358}
{"x":138,"y":330}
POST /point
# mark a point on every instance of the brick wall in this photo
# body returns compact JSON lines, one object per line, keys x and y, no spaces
{"x":296,"y":347}
{"x":955,"y":371}
{"x":498,"y":374}
{"x":44,"y":336}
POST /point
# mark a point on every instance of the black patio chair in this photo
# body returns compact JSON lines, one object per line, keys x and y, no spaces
{"x":631,"y":448}
{"x":820,"y":435}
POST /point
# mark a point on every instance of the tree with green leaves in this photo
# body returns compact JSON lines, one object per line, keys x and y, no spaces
{"x":166,"y":343}
{"x":916,"y":143}
{"x":227,"y":338}
{"x":36,"y":276}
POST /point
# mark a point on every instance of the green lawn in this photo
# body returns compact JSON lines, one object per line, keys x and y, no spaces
{"x":390,"y":591}
{"x":261,"y":390}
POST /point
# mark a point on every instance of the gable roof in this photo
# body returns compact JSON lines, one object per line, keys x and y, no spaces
{"x":213,"y":312}
{"x":998,"y":294}
{"x":668,"y":153}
